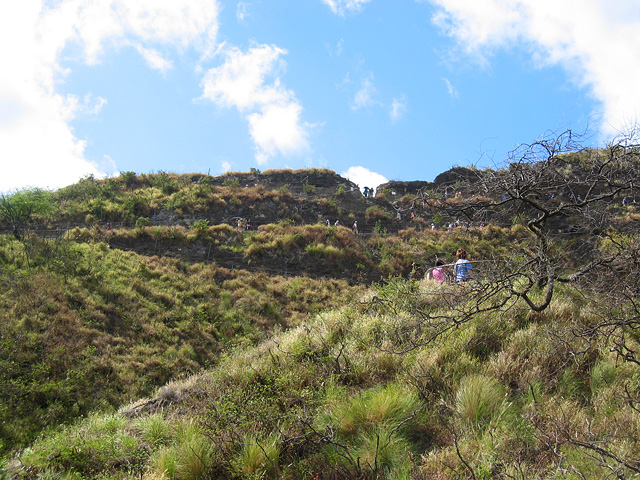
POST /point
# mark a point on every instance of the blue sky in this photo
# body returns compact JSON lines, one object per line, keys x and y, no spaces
{"x":374,"y":89}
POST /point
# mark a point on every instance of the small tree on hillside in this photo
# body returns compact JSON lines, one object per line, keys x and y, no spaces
{"x":20,"y":208}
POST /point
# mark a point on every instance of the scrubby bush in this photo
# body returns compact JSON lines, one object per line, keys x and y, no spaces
{"x":374,"y":213}
{"x":143,"y":222}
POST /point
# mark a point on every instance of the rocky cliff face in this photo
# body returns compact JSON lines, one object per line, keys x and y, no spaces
{"x":446,"y":179}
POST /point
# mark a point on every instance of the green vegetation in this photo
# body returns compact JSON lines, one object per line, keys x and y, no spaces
{"x":195,"y":349}
{"x":25,"y":206}
{"x":83,"y":326}
{"x":330,"y":397}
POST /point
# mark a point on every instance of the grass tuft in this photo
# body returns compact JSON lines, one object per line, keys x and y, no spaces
{"x":258,"y":458}
{"x":478,"y":400}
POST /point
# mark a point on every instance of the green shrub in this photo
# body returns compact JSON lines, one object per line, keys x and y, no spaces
{"x":324,"y":251}
{"x":142,"y":222}
{"x":96,"y":444}
{"x":387,"y":406}
{"x":375,"y":212}
{"x":128,"y":178}
{"x":372,"y":428}
{"x":154,"y":429}
{"x":384,"y":453}
{"x":163,"y":464}
{"x":478,"y":400}
{"x":231,"y":182}
{"x":195,"y":458}
{"x":200,"y":225}
{"x":259,"y":458}
{"x":166,"y":183}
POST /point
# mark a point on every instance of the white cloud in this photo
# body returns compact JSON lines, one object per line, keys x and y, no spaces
{"x":37,"y":144}
{"x":226,"y":166}
{"x":250,"y":82}
{"x":242,"y":11}
{"x":154,"y":59}
{"x":398,"y":109}
{"x":74,"y":108}
{"x":595,"y":41}
{"x":363,"y":177}
{"x":365,"y":96}
{"x":453,"y":91}
{"x":337,"y":50}
{"x":277,"y":129}
{"x":340,"y":7}
{"x":109,"y":166}
{"x":240,"y":81}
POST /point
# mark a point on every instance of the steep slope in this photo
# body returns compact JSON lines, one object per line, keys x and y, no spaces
{"x":375,"y":392}
{"x":519,"y":373}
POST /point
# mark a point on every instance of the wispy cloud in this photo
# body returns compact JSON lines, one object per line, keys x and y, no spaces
{"x":341,"y":7}
{"x":398,"y":108}
{"x":250,"y":82}
{"x":154,"y":59}
{"x":365,"y":96}
{"x":35,"y":132}
{"x":109,"y":166}
{"x":242,"y":11}
{"x":337,"y":50}
{"x":596,"y":43}
{"x":87,"y":107}
{"x":451,"y":90}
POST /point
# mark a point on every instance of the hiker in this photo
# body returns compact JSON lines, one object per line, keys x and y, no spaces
{"x":462,"y":268}
{"x":355,"y":227}
{"x":366,"y":191}
{"x":440,"y":273}
{"x":336,"y":223}
{"x":328,"y":223}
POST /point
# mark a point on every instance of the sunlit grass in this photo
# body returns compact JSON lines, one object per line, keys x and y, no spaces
{"x":479,"y":399}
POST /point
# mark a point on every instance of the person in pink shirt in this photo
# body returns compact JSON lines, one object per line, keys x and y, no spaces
{"x":439,"y":273}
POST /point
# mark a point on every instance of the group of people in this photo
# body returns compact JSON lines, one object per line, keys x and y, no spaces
{"x":461,"y":271}
{"x":368,"y":192}
{"x":244,"y":224}
{"x":354,"y":227}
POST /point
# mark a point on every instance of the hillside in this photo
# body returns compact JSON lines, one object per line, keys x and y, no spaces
{"x":179,"y":344}
{"x":220,"y":220}
{"x":141,"y":302}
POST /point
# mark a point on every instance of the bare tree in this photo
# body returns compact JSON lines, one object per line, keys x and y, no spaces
{"x":577,"y":229}
{"x":564,"y":195}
